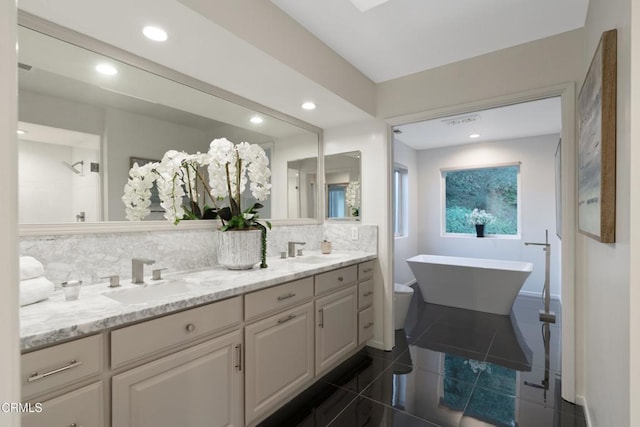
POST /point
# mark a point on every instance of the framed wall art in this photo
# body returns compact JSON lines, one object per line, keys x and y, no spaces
{"x":597,"y":144}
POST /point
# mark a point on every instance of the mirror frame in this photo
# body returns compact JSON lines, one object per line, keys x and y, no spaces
{"x":83,"y":41}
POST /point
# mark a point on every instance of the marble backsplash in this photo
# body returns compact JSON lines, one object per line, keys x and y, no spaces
{"x":90,"y":257}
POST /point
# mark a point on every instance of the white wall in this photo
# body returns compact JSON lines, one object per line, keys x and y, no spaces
{"x":45,"y":183}
{"x":371,"y":139}
{"x":537,"y":173}
{"x":603,"y":270}
{"x":407,"y":246}
{"x":539,"y":64}
{"x":9,"y":352}
{"x":129,"y":134}
{"x":286,"y":150}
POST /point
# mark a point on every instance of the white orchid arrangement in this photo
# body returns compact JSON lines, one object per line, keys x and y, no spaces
{"x":480,"y":217}
{"x":352,"y":196}
{"x":183,"y":188}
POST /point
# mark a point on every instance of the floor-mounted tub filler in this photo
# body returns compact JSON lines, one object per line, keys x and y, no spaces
{"x":488,"y":285}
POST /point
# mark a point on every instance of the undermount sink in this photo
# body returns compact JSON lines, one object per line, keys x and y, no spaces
{"x":312,"y":259}
{"x":149,"y":292}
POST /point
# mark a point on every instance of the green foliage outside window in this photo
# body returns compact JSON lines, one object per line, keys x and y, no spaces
{"x":494,"y":190}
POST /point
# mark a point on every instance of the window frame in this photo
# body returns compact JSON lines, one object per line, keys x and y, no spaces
{"x":443,"y":201}
{"x":400,"y":201}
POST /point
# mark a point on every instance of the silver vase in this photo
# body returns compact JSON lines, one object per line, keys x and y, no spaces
{"x":239,"y":249}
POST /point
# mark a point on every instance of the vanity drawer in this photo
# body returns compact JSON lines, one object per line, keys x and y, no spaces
{"x":281,"y":296}
{"x":365,"y":294}
{"x":365,"y":271}
{"x":331,"y":280}
{"x":365,"y":325}
{"x":82,"y":407}
{"x":137,"y":341}
{"x":54,"y":367}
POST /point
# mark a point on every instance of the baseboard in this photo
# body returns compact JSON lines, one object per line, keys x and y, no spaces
{"x":580,"y":400}
{"x":376,"y":344}
{"x":537,"y":294}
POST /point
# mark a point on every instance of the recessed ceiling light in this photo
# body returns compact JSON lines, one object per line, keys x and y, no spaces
{"x":256,"y":120}
{"x":474,"y":135}
{"x":106,"y":69}
{"x":22,"y":132}
{"x":155,"y":33}
{"x":309,"y":105}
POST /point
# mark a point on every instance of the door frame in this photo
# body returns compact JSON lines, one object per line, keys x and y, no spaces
{"x":567,"y":93}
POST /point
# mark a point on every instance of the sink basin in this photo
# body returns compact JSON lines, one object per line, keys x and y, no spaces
{"x":312,"y":259}
{"x":149,"y":292}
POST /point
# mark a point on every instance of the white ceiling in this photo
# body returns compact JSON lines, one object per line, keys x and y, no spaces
{"x":401,"y":37}
{"x":388,"y":40}
{"x":542,"y":117}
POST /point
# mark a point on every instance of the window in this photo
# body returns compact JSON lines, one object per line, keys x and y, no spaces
{"x":492,"y":189}
{"x":400,"y":201}
{"x":337,"y":204}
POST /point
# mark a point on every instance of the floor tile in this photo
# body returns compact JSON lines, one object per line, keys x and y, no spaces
{"x":359,"y":374}
{"x":451,"y":368}
{"x":318,"y":405}
{"x":365,"y":412}
{"x":420,"y":392}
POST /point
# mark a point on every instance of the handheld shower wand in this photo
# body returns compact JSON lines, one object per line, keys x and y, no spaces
{"x":546,"y":315}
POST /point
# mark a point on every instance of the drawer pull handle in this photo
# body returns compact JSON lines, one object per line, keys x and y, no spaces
{"x":36,"y":376}
{"x":75,"y":425}
{"x":367,"y":270}
{"x":368,"y":325}
{"x":239,"y":350}
{"x":284,"y":297}
{"x":367,"y":294}
{"x":340,"y":279}
{"x":321,"y":311}
{"x":190,"y":327}
{"x":286,"y":319}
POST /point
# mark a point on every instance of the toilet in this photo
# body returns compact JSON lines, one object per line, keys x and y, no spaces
{"x":402,"y":295}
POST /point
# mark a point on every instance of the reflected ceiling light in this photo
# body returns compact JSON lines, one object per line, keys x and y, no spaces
{"x":156,"y":34}
{"x":22,"y":132}
{"x":474,"y":135}
{"x":256,"y":120}
{"x":309,"y":105}
{"x":106,"y":69}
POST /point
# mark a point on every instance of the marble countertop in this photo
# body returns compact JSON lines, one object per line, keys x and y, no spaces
{"x":98,"y":309}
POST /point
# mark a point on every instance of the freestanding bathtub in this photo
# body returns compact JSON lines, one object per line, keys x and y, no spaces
{"x":488,"y":285}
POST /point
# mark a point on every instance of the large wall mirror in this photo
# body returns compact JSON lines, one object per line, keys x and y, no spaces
{"x":343,"y":186}
{"x":80,"y":130}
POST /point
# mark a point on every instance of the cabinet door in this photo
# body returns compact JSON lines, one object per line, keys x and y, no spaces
{"x":336,"y":327}
{"x":82,"y":407}
{"x":279,"y":359}
{"x":199,"y":386}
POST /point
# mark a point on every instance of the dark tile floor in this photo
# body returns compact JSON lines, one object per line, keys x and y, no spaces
{"x":450,"y":367}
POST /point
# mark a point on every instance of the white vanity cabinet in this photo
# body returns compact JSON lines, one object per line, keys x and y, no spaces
{"x":336,"y":317}
{"x":201,"y":385}
{"x":228,"y":363}
{"x":365,"y":302}
{"x":59,"y":371}
{"x":79,"y":408}
{"x":198,"y":386}
{"x":279,"y":348}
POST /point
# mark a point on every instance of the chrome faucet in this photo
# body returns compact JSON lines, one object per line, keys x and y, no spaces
{"x":137,"y":269}
{"x":291,"y":248}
